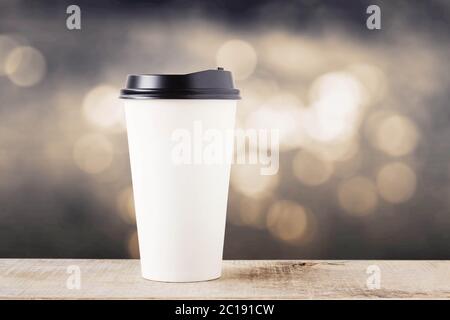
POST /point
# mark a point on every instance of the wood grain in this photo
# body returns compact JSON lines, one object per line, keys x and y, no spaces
{"x":250,"y":279}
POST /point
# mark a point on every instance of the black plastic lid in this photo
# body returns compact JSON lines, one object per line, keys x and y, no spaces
{"x":208,"y":84}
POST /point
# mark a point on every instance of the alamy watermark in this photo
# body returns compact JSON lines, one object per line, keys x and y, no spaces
{"x":373,"y":22}
{"x":73,"y":282}
{"x":213,"y":146}
{"x":373,"y":281}
{"x":73,"y":21}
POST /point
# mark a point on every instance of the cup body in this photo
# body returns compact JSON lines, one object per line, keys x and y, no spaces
{"x":180,"y":206}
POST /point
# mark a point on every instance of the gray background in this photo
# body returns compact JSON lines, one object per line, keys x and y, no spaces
{"x":51,"y":207}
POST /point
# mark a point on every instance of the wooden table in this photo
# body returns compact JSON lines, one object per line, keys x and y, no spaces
{"x":249,"y":279}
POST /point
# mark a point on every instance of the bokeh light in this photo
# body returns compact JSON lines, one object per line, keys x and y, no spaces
{"x":252,"y":212}
{"x":288,"y":221}
{"x":357,"y":196}
{"x":125,"y":205}
{"x":93,"y":153}
{"x":292,"y":56}
{"x":393,"y":134}
{"x":25,"y":66}
{"x":133,"y":246}
{"x":372,"y":78}
{"x":283,"y":113}
{"x":247,"y":179}
{"x":340,"y":150}
{"x":102,"y":107}
{"x":362,"y":125}
{"x":239,"y":57}
{"x":311,"y":169}
{"x":396,"y":182}
{"x":257,"y":92}
{"x":336,"y":100}
{"x":7,"y":45}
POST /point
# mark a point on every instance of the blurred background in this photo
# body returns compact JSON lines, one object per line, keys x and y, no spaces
{"x":363,"y":118}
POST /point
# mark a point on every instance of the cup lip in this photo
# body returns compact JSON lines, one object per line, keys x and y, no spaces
{"x":206,"y":84}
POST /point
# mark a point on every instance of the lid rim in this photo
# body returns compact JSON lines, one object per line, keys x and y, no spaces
{"x":207,"y":84}
{"x":178,"y":95}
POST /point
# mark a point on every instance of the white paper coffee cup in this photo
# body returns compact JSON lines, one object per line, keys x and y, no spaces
{"x":180,"y":192}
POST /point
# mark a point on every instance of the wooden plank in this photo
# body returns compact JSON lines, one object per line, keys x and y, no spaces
{"x":257,"y":279}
